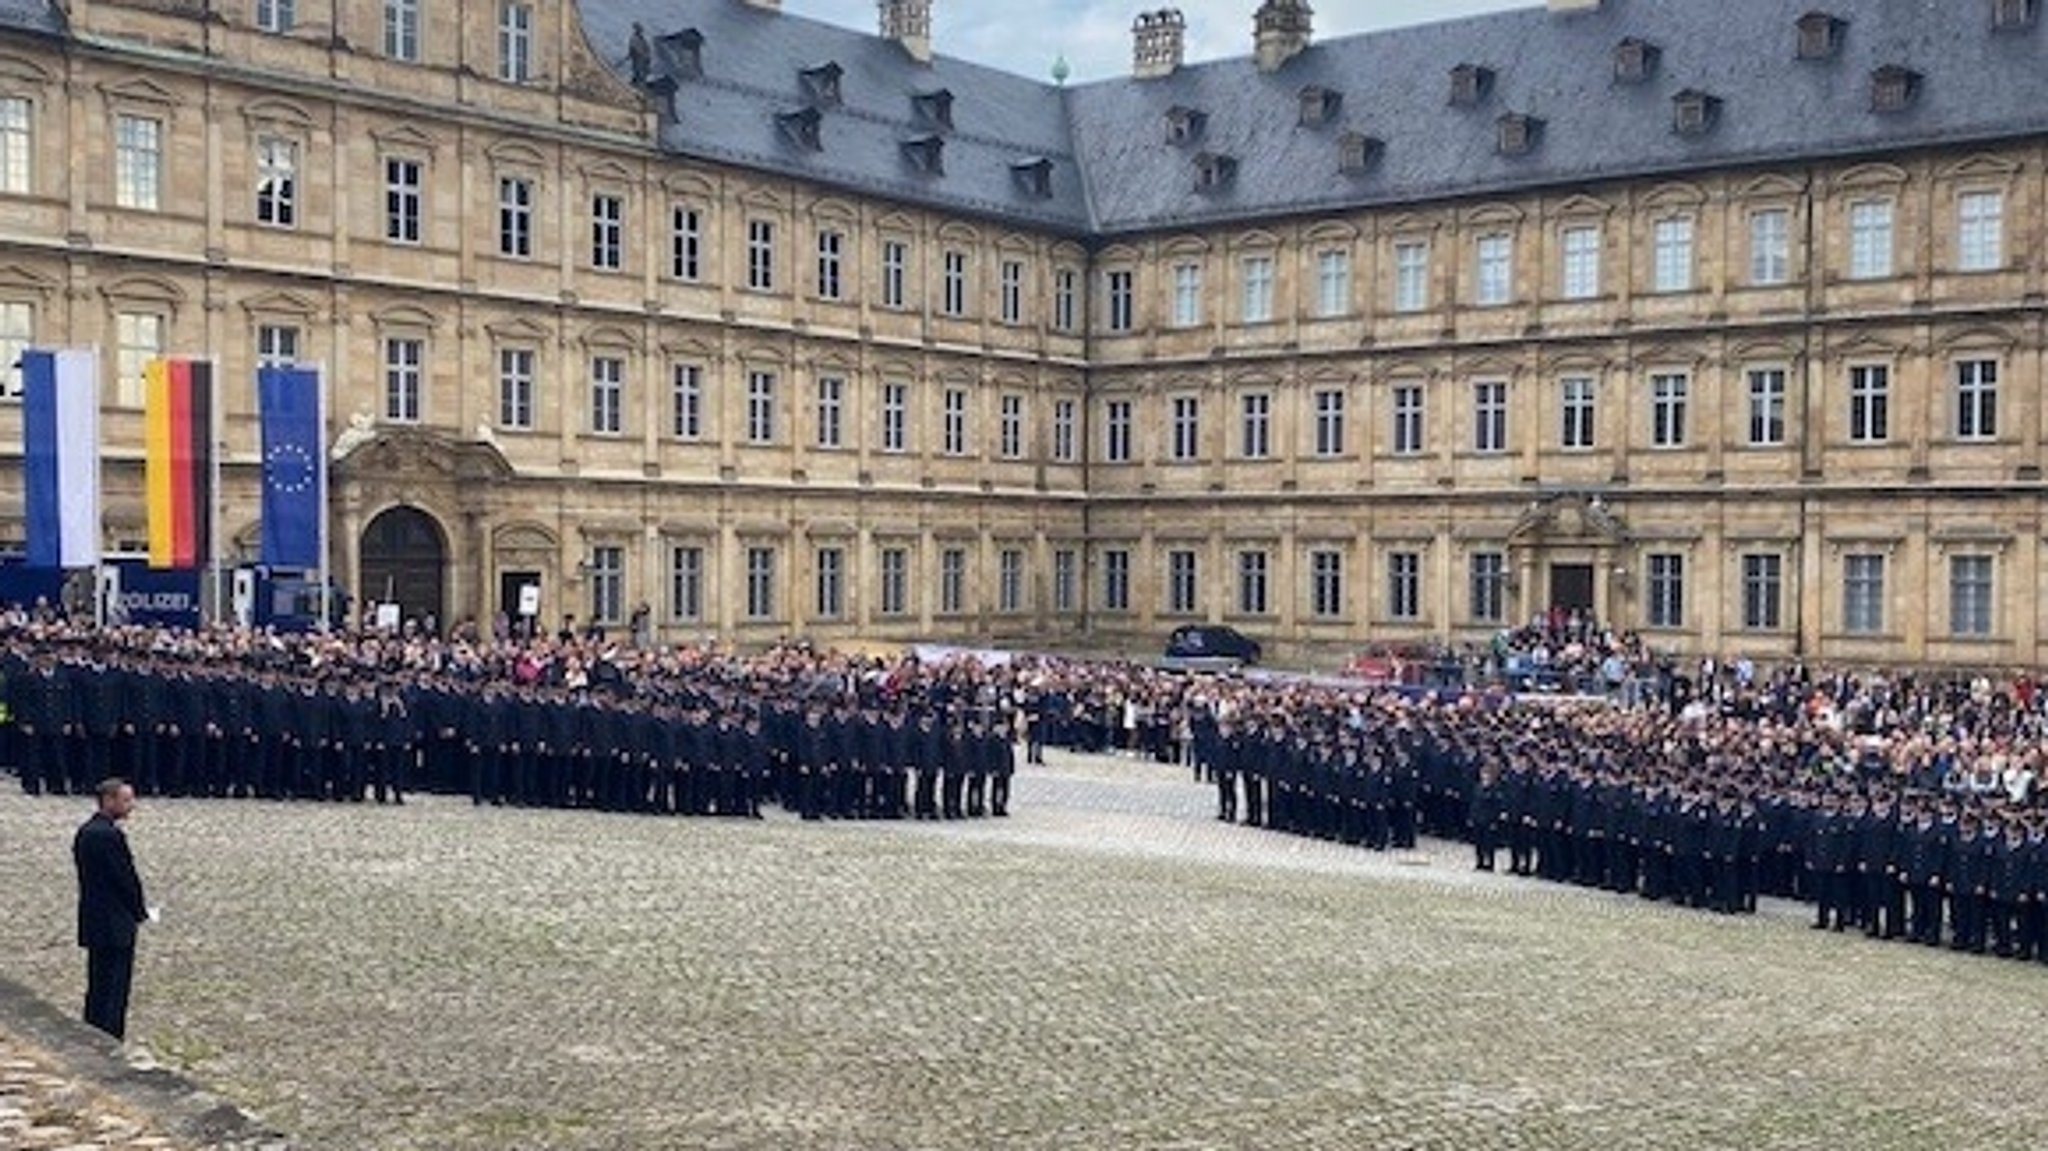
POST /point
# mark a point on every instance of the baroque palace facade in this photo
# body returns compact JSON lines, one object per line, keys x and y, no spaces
{"x":1721,"y":322}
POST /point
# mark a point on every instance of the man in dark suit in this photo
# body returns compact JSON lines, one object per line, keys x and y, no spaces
{"x":110,"y":905}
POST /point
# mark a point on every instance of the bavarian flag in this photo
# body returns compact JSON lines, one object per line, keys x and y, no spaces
{"x":178,"y":471}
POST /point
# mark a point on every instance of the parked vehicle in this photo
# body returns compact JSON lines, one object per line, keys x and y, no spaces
{"x":1211,"y":642}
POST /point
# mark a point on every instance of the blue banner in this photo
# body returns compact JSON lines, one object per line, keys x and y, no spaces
{"x":159,"y":597}
{"x":294,"y":465}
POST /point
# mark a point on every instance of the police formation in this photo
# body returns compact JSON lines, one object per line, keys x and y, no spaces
{"x":1685,"y":805}
{"x":234,"y":716}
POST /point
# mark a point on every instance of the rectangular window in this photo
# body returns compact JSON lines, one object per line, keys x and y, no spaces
{"x":515,"y":388}
{"x":952,"y":581}
{"x":760,"y":407}
{"x":895,"y":273}
{"x":1333,"y":283}
{"x":1863,"y":594}
{"x":686,"y":583}
{"x":831,"y":572}
{"x":1010,"y":581}
{"x":138,"y":162}
{"x":1116,"y":580}
{"x":402,"y":201}
{"x":1977,"y":400}
{"x":1252,"y":597}
{"x":274,"y":15}
{"x":761,"y":255}
{"x":1012,"y":427}
{"x":1063,"y":437}
{"x":1870,"y":239}
{"x":515,"y":42}
{"x":1182,"y":590}
{"x":515,"y":217}
{"x":607,"y":584}
{"x":16,"y":145}
{"x":1495,"y":282}
{"x":1116,"y":432}
{"x":607,"y":395}
{"x":17,"y":332}
{"x":1870,"y":388}
{"x":1766,"y":407}
{"x":831,"y":411}
{"x":1969,"y":594}
{"x":1258,"y":289}
{"x":404,"y":361}
{"x":277,"y":182}
{"x":1066,"y":290}
{"x":1581,"y":263}
{"x":831,"y":248}
{"x":140,"y":338}
{"x":1673,"y":255}
{"x":1577,"y":434}
{"x":955,"y":283}
{"x":1326,"y":584}
{"x":1065,"y":580}
{"x":1489,"y":572}
{"x":760,"y":583}
{"x":895,"y":417}
{"x":1404,"y":585}
{"x":1407,"y":438}
{"x":1118,"y":301}
{"x":687,"y":402}
{"x":1411,"y":276}
{"x":277,"y":344}
{"x":1329,"y":409}
{"x":1187,"y":295}
{"x":1763,"y":592}
{"x":1187,"y":428}
{"x":1013,"y":291}
{"x":1666,"y":606}
{"x":1980,"y":231}
{"x":1490,"y":416}
{"x":1770,"y":248}
{"x":953,"y":428}
{"x":1667,"y":409}
{"x":402,"y":29}
{"x":895,"y":581}
{"x":1255,"y":441}
{"x":686,"y":244}
{"x":607,"y":233}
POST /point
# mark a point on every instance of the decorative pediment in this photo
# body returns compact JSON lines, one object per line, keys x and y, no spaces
{"x":1569,"y":518}
{"x":1872,"y":176}
{"x":957,"y":233}
{"x":1982,"y":166}
{"x":1498,"y":212}
{"x":404,"y":138}
{"x":1581,"y":207}
{"x":523,"y":330}
{"x":1186,"y":246}
{"x":402,"y":456}
{"x":281,"y":303}
{"x":528,"y":538}
{"x":23,"y":70}
{"x":1980,"y":339}
{"x":1254,"y":241}
{"x":17,"y":279}
{"x":404,"y":316}
{"x":1332,"y":230}
{"x":1768,"y":187}
{"x":687,"y":184}
{"x":611,"y":337}
{"x":1676,"y":196}
{"x":144,"y":289}
{"x":608,"y":172}
{"x":273,"y":113}
{"x":835,"y":210}
{"x":139,"y":90}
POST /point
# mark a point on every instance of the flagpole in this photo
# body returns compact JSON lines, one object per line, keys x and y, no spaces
{"x":216,"y":416}
{"x":99,"y":562}
{"x":320,"y":466}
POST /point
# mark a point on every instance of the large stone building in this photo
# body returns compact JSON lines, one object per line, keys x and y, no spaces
{"x":1724,"y":322}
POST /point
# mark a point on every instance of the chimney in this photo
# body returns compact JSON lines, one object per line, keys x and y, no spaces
{"x":1282,"y":32}
{"x":909,"y":23}
{"x":1158,"y":43}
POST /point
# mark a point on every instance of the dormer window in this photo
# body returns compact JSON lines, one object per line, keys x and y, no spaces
{"x":2014,"y":15}
{"x":1517,"y":134}
{"x":1214,"y":171}
{"x":1033,"y":177}
{"x":1184,"y":125}
{"x":685,"y":52}
{"x":1319,"y":106}
{"x":1635,"y":61}
{"x":933,"y":109}
{"x":927,"y":154}
{"x":1893,"y":87}
{"x":1820,"y":35}
{"x":821,"y":84}
{"x":1470,"y":84}
{"x":1694,"y":113}
{"x":1358,"y":152}
{"x":801,"y":129}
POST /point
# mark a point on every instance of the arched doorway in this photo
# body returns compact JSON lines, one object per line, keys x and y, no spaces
{"x":405,"y":561}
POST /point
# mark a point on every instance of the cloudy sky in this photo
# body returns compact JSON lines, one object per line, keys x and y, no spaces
{"x":1095,"y":35}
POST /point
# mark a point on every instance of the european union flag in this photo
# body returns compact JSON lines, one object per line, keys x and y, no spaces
{"x":294,"y":465}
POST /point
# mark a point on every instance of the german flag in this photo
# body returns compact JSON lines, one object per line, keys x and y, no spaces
{"x":178,"y":437}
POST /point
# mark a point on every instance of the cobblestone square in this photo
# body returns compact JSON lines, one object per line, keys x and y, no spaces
{"x":1112,"y":968}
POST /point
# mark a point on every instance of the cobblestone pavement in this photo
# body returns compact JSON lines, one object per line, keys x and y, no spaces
{"x":1111,"y":968}
{"x":43,"y":1109}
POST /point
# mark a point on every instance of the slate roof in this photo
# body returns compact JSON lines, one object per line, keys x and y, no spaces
{"x":1114,"y":171}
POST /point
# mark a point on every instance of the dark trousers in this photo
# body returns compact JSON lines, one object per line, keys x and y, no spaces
{"x":109,"y":973}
